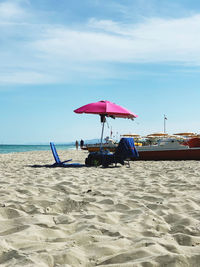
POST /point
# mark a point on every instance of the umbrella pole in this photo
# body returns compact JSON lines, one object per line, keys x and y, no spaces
{"x":103,"y":119}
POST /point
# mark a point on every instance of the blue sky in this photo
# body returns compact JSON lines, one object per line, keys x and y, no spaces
{"x":57,"y":55}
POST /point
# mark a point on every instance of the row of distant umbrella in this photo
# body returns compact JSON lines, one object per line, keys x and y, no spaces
{"x":158,"y":135}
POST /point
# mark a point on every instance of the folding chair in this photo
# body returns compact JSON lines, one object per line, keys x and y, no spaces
{"x":58,"y":162}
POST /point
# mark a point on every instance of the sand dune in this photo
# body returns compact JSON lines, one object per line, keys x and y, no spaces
{"x":146,"y":215}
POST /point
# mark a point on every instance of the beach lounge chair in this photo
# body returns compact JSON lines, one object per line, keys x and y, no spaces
{"x":125,"y":152}
{"x":58,"y":162}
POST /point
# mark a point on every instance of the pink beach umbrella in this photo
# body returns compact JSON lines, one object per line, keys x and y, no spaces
{"x":106,"y":109}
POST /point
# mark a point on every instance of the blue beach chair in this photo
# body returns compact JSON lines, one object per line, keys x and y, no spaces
{"x":58,"y":162}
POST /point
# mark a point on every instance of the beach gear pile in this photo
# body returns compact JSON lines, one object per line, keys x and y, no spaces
{"x":126,"y":150}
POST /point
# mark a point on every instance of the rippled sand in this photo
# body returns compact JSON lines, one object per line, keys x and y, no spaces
{"x":146,"y":215}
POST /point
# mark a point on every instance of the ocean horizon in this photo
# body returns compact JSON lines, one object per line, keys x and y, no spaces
{"x":14,"y":148}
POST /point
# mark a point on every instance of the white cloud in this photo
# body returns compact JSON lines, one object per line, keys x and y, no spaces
{"x":108,"y":26}
{"x":82,"y":46}
{"x":11,"y":11}
{"x":154,"y":40}
{"x":26,"y":77}
{"x":43,"y":53}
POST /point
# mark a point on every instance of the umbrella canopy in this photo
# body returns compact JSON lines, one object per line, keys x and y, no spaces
{"x":107,"y":109}
{"x":157,"y":135}
{"x":185,"y":134}
{"x":131,"y":135}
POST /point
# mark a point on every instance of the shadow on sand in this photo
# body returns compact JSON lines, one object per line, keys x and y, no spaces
{"x":56,"y":166}
{"x":69,"y":166}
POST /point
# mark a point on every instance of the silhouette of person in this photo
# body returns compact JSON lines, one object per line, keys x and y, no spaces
{"x":76,"y":143}
{"x":81,"y":143}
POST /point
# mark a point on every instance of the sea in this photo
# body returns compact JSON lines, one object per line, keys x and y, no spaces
{"x":5,"y":149}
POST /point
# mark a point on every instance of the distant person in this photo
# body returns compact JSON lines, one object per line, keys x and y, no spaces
{"x":76,"y":143}
{"x":81,"y":143}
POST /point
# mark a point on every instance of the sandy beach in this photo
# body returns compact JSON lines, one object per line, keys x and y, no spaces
{"x":145,"y":215}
